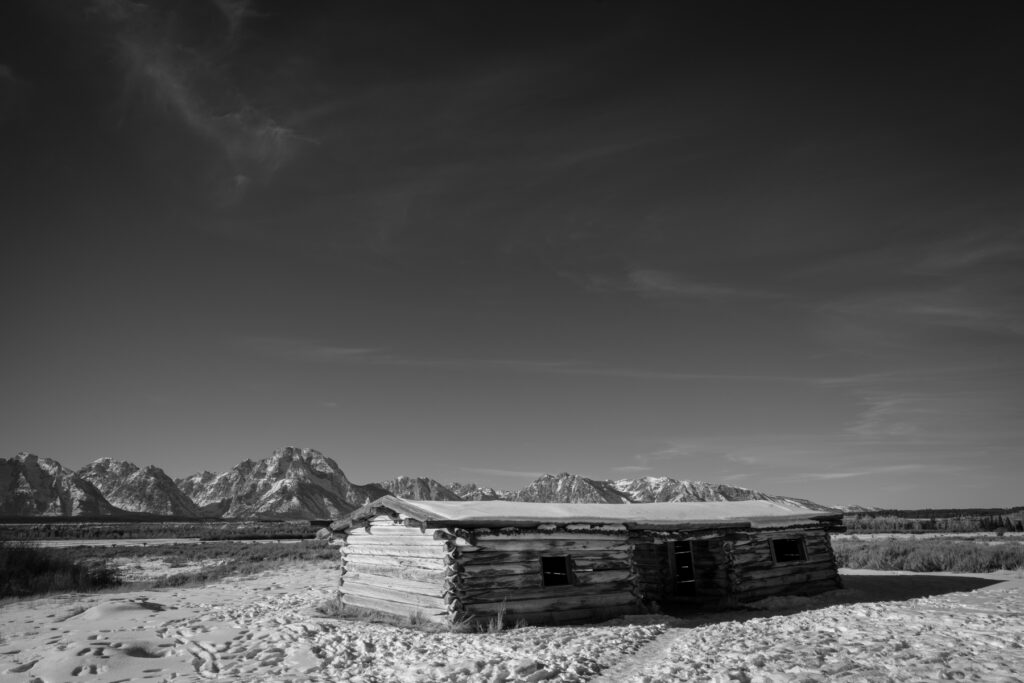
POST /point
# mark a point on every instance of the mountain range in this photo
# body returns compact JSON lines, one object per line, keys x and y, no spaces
{"x":297,"y":483}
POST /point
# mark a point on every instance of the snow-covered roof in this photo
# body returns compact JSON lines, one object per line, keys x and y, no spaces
{"x":503,"y":513}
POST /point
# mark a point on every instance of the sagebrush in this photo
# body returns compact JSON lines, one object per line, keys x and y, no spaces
{"x":25,"y":570}
{"x":929,"y":555}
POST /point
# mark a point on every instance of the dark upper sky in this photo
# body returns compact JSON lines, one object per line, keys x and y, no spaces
{"x":778,"y":245}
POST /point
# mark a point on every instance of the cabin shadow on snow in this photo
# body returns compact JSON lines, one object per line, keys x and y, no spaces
{"x":866,"y":588}
{"x":856,"y":589}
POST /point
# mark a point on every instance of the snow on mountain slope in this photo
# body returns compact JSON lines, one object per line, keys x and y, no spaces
{"x":135,"y":489}
{"x":570,"y":488}
{"x":473,"y":492}
{"x":418,"y":488}
{"x":30,"y":485}
{"x":293,"y":483}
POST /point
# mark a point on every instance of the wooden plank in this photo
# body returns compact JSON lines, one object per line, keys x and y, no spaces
{"x":390,"y":529}
{"x":553,"y":536}
{"x":393,"y":550}
{"x":479,"y":582}
{"x":371,"y":591}
{"x":784,"y":569}
{"x":435,"y":563}
{"x":600,"y":564}
{"x":588,"y":578}
{"x":486,"y":569}
{"x":495,"y":557}
{"x":396,"y":541}
{"x":750,"y":583}
{"x":408,"y":573}
{"x":396,"y":608}
{"x":435,"y":589}
{"x":768,"y":565}
{"x":535,"y":580}
{"x":554,"y":546}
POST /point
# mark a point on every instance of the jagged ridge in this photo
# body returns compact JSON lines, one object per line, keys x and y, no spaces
{"x":418,"y":488}
{"x":134,"y":489}
{"x":30,"y":486}
{"x":303,"y":484}
{"x":293,"y":483}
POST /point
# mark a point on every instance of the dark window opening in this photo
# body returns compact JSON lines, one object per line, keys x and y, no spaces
{"x":789,"y":550}
{"x":555,"y":571}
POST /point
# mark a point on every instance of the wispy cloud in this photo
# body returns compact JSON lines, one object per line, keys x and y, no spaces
{"x":867,"y":472}
{"x":191,"y":82}
{"x":317,"y":351}
{"x":305,"y":350}
{"x":659,"y":283}
{"x":974,"y":250}
{"x":651,"y":282}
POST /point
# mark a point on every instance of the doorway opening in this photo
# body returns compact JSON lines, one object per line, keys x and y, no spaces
{"x":680,"y":562}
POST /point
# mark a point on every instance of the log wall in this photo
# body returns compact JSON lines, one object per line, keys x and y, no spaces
{"x":500,"y":577}
{"x":656,"y":575}
{"x":754,"y":574}
{"x":737,"y":566}
{"x":397,"y":569}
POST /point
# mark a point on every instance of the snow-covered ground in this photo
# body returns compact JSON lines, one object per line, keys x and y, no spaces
{"x":265,"y":627}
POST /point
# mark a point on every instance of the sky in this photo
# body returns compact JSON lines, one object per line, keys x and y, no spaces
{"x":773,"y":245}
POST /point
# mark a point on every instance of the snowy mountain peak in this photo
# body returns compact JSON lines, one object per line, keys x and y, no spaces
{"x":418,"y":488}
{"x":31,"y":485}
{"x":130,"y":488}
{"x":293,"y":482}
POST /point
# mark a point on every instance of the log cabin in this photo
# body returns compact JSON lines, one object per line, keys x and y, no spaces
{"x":462,"y":561}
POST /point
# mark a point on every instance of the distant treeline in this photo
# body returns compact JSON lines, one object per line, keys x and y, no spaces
{"x":920,"y":521}
{"x":203,"y":530}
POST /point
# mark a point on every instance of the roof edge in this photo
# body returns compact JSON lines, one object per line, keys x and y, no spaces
{"x":395,"y":507}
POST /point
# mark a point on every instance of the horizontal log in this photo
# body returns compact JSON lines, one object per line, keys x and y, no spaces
{"x":394,"y":550}
{"x":371,"y":591}
{"x":411,"y":612}
{"x":532,"y":565}
{"x":395,"y":541}
{"x":765,"y":539}
{"x":593,"y":591}
{"x":389,"y":529}
{"x":535,"y":579}
{"x":553,"y":546}
{"x":435,"y":563}
{"x":555,"y":604}
{"x":430,"y":588}
{"x":553,"y":536}
{"x":753,"y":582}
{"x":587,"y":578}
{"x":782,"y":569}
{"x":486,"y":569}
{"x":495,"y":557}
{"x":761,"y":564}
{"x":481,"y":582}
{"x":408,"y":573}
